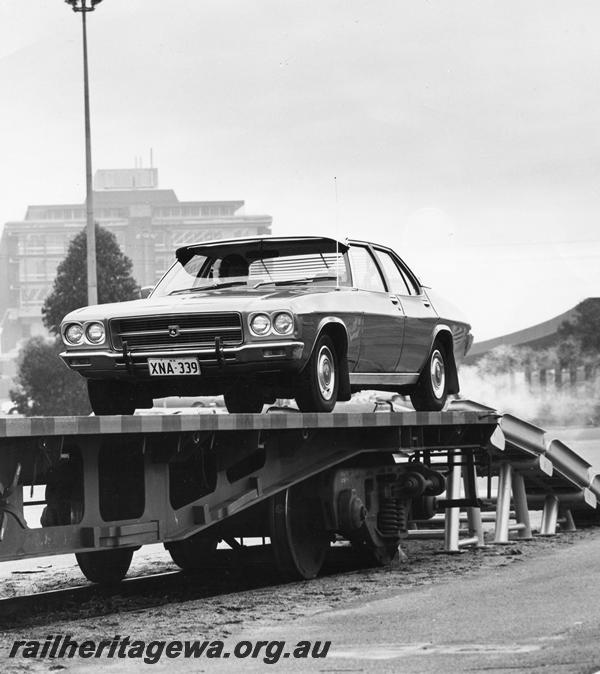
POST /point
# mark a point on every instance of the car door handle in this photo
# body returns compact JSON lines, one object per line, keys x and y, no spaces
{"x":426,"y":303}
{"x":395,"y":300}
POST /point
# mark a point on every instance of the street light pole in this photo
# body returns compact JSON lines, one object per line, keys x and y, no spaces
{"x":85,"y":6}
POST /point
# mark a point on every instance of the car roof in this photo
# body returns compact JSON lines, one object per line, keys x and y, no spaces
{"x":261,"y":246}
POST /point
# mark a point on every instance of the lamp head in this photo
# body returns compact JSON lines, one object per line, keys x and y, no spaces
{"x":83,"y":5}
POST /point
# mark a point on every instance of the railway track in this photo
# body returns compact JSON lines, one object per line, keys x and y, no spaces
{"x":225,"y":583}
{"x":230,"y":572}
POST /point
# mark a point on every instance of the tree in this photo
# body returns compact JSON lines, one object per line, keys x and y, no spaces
{"x":45,"y":385}
{"x":585,"y":326}
{"x":503,"y":359}
{"x":568,"y":352}
{"x":115,"y":283}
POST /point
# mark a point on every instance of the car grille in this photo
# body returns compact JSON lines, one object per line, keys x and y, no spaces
{"x":193,"y":330}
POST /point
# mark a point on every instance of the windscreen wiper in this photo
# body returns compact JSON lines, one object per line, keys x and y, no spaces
{"x":310,"y":279}
{"x":211,"y":286}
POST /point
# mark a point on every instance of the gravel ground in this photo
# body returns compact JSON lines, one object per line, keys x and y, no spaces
{"x":247,"y":600}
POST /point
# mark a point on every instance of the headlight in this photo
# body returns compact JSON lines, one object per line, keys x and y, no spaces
{"x":95,"y":333}
{"x":74,"y":333}
{"x":283,"y":324}
{"x":260,"y":324}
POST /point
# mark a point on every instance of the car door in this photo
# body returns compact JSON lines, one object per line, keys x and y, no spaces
{"x":383,"y":320}
{"x":420,"y":317}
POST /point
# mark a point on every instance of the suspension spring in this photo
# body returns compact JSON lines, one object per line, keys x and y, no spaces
{"x":389,"y":518}
{"x":403,"y":509}
{"x":393,"y":516}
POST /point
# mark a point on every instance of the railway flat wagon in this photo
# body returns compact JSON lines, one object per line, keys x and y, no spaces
{"x":116,"y":483}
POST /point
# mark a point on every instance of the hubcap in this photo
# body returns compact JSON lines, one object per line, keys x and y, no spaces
{"x":438,"y":374}
{"x":325,"y":373}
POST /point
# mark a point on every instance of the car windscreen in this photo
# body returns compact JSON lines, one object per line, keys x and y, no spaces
{"x":233,"y":269}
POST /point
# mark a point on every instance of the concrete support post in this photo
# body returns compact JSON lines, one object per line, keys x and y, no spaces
{"x":567,"y":523}
{"x":503,"y":504}
{"x":451,"y":532}
{"x":521,"y":508}
{"x":471,"y":492}
{"x":549,"y":516}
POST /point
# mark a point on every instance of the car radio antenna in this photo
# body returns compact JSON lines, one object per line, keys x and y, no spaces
{"x":262,"y":260}
{"x":337,"y":235}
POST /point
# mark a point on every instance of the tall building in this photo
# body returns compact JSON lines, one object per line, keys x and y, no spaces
{"x":149,"y":223}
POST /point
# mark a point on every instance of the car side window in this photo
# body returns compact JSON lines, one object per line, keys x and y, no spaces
{"x":365,"y":274}
{"x":413,"y":286}
{"x":397,"y":282}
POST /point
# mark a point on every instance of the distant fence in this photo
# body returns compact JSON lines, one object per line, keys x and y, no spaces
{"x":549,"y":379}
{"x":551,"y":396}
{"x":561,"y":378}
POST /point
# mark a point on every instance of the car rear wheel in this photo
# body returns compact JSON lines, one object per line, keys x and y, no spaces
{"x":110,"y":397}
{"x":431,"y":391}
{"x":244,"y":399}
{"x":319,"y":381}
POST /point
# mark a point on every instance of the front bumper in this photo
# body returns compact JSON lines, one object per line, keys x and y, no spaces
{"x":245,"y":359}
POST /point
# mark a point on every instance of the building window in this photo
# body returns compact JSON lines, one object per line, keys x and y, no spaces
{"x":33,"y":294}
{"x":31,"y":243}
{"x":55,"y":244}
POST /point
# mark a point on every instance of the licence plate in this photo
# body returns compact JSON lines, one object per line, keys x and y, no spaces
{"x":173,"y":367}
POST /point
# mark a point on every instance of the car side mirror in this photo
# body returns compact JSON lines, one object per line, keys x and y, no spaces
{"x":145,"y":291}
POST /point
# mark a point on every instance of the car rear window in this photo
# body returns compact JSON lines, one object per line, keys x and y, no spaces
{"x":289,"y":267}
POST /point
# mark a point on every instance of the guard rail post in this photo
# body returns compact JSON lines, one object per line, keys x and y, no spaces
{"x":473,"y":512}
{"x":521,"y":507}
{"x":549,"y":516}
{"x":503,"y":503}
{"x":511,"y":483}
{"x":566,"y":521}
{"x":451,"y":530}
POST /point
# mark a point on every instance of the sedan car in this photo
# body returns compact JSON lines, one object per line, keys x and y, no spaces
{"x":261,"y":318}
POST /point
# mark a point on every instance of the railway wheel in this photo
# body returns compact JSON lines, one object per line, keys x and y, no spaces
{"x":105,"y":567}
{"x":193,"y":553}
{"x":111,"y":397}
{"x":431,"y":390}
{"x":243,"y":399}
{"x":298,"y":538}
{"x":319,"y":381}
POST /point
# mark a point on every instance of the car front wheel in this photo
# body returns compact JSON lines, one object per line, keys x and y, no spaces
{"x":319,"y":381}
{"x":431,"y":391}
{"x":110,"y":397}
{"x":243,"y":399}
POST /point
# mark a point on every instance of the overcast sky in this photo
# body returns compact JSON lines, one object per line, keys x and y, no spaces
{"x":466,"y":135}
